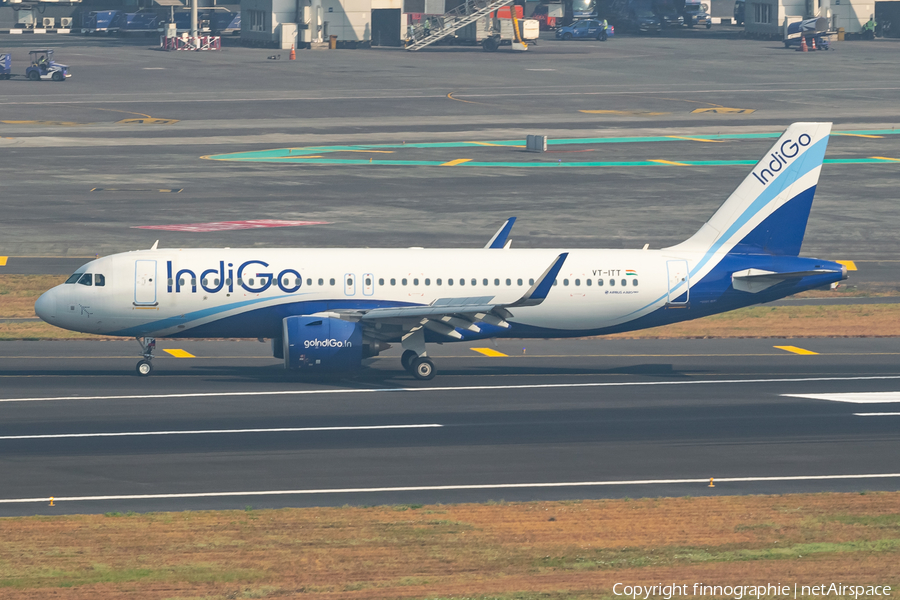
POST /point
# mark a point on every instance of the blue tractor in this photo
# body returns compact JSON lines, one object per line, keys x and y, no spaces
{"x":5,"y":66}
{"x":43,"y":67}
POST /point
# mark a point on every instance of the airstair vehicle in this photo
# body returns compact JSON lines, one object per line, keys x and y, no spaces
{"x":440,"y":26}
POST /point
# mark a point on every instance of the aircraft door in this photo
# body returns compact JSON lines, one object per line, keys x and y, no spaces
{"x":349,"y":284}
{"x":145,"y":283}
{"x":368,"y":284}
{"x":679,"y":282}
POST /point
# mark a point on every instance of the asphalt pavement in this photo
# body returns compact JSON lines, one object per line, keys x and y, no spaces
{"x":229,"y":427}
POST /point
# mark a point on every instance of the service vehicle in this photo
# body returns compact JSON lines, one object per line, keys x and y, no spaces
{"x":5,"y":66}
{"x":44,"y":68}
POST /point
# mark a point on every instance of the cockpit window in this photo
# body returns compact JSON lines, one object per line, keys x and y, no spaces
{"x":86,"y":279}
{"x":74,"y":277}
{"x":99,"y":280}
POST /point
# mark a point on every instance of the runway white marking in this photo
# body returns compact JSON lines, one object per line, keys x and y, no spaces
{"x":897,"y":414}
{"x":470,"y":388}
{"x":202,"y":431}
{"x":853,"y":397}
{"x":428,"y":488}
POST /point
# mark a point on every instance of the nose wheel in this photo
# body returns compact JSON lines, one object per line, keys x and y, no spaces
{"x":144,"y":366}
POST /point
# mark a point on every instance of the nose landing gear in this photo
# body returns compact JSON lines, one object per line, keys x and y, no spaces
{"x":144,"y":366}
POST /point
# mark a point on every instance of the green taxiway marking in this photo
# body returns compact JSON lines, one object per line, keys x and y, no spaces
{"x":298,"y":155}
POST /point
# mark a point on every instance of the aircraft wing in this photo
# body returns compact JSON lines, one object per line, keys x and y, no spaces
{"x":499,"y":239}
{"x":445,"y":315}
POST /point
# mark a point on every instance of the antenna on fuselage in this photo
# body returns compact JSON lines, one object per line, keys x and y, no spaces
{"x":155,"y":245}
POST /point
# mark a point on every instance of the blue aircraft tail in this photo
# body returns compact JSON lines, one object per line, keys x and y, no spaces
{"x":767,"y":213}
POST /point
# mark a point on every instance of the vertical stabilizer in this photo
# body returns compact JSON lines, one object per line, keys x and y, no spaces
{"x":767,"y":213}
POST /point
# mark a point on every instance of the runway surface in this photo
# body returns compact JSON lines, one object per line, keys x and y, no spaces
{"x":229,"y":427}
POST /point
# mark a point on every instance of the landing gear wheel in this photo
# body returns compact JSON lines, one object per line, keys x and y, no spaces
{"x":144,"y":368}
{"x":423,"y":368}
{"x":407,"y":358}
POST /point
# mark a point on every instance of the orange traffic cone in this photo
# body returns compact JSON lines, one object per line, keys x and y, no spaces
{"x":803,"y":47}
{"x":293,"y":54}
{"x":813,"y":47}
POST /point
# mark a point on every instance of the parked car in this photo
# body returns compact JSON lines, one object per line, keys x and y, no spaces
{"x":696,"y":14}
{"x":585,"y":29}
{"x":642,"y":21}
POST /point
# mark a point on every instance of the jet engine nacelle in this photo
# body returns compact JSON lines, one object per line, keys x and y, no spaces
{"x":321,"y":344}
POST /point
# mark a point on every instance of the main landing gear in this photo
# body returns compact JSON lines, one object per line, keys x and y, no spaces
{"x":420,"y":367}
{"x":144,"y":366}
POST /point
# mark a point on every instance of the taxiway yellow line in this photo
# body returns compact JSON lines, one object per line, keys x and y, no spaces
{"x":458,"y":161}
{"x":680,"y":137}
{"x":3,"y":260}
{"x":795,"y":350}
{"x":885,"y":158}
{"x":862,"y":135}
{"x":488,"y":352}
{"x":669,"y":162}
{"x":179,"y":353}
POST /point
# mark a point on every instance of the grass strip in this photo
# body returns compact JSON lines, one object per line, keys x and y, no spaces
{"x":573,"y":549}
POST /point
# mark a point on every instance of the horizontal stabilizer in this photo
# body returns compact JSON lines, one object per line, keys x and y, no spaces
{"x":757,"y":280}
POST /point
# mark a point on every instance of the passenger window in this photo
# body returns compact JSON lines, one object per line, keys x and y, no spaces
{"x":588,"y":282}
{"x":403,"y":281}
{"x":438,"y":281}
{"x":194,"y":283}
{"x":381,"y":281}
{"x":86,"y":279}
{"x":474,"y":281}
{"x":556,"y":282}
{"x":240,"y":282}
{"x":368,"y":281}
{"x":565,"y":282}
{"x":427,"y":281}
{"x":531,"y":282}
{"x":349,"y":281}
{"x":216,"y":281}
{"x":577,"y":282}
{"x":462,"y":282}
{"x":624,"y":282}
{"x":74,"y":277}
{"x":331,"y":281}
{"x":450,"y":281}
{"x":204,"y":282}
{"x":612,"y":282}
{"x":600,"y":282}
{"x":181,"y":282}
{"x":484,"y":282}
{"x":634,"y":282}
{"x":416,"y":281}
{"x":519,"y":282}
{"x":99,"y":280}
{"x":509,"y":282}
{"x":393,"y":281}
{"x":496,"y":282}
{"x":228,"y":282}
{"x":321,"y":281}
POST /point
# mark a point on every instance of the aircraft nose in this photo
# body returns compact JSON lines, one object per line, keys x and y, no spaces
{"x":45,"y":307}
